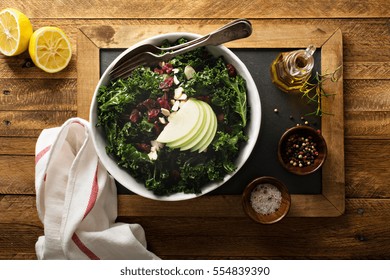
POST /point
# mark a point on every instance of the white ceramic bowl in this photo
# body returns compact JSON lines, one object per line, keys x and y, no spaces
{"x":253,"y":126}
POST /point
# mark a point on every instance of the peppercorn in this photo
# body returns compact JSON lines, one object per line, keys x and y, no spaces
{"x":301,"y":151}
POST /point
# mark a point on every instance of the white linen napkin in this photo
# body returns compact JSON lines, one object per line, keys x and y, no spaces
{"x":77,"y":201}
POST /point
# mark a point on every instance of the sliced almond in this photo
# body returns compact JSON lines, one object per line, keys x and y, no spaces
{"x":152,"y":155}
{"x":165,"y":112}
{"x":183,"y":97}
{"x":189,"y":72}
{"x":175,"y":106}
{"x":162,"y":120}
{"x":176,"y":80}
{"x":156,"y":145}
{"x":178,"y":92}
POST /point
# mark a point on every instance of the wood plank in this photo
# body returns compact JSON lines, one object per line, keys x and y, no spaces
{"x":19,"y":175}
{"x":362,"y":232}
{"x":15,"y":68}
{"x":367,"y":124}
{"x":366,"y":95}
{"x":88,"y":74}
{"x":367,"y":167}
{"x":332,"y":126}
{"x":219,"y":206}
{"x":19,"y":209}
{"x":367,"y":70}
{"x":18,"y":241}
{"x":203,"y":9}
{"x":38,"y":94}
{"x":31,"y":123}
{"x":266,"y":34}
{"x":21,"y":146}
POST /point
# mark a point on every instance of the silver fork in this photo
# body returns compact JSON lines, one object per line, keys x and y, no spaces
{"x":155,"y":49}
{"x":234,"y":30}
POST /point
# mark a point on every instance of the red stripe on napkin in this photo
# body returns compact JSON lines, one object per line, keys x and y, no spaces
{"x":91,"y":203}
{"x":93,"y":195}
{"x":42,"y":153}
{"x":78,"y":122}
{"x":84,"y":248}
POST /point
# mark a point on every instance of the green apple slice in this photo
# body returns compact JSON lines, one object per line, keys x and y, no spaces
{"x":182,"y":124}
{"x":203,"y":128}
{"x":178,"y":143}
{"x":211,"y":138}
{"x":210,"y":132}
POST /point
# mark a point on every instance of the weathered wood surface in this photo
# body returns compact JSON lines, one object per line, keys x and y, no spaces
{"x":205,"y":9}
{"x":31,"y":100}
{"x":362,"y":232}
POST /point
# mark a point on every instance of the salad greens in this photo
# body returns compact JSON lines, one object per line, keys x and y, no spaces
{"x":129,"y":111}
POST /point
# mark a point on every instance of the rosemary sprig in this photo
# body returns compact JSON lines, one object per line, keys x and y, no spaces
{"x":314,"y":91}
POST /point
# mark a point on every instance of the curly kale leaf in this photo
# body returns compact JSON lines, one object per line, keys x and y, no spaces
{"x":238,"y":85}
{"x":125,"y":92}
{"x":227,"y":146}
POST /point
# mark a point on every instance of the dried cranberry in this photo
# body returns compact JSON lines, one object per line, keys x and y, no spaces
{"x":163,"y":101}
{"x":140,"y":107}
{"x":204,"y":98}
{"x":134,"y":116}
{"x":167,"y":83}
{"x":167,"y":68}
{"x":143,"y":147}
{"x":231,"y":70}
{"x":175,"y":175}
{"x":157,"y":128}
{"x":152,"y":114}
{"x":150,"y":104}
{"x":220,"y":117}
{"x":159,"y":71}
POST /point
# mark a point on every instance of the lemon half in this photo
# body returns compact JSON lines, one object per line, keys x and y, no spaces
{"x":15,"y":32}
{"x":50,"y":49}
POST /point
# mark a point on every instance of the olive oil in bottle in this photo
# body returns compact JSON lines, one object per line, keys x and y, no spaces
{"x":290,"y":70}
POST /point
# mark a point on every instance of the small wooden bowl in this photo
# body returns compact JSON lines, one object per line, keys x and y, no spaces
{"x":266,"y":218}
{"x":302,"y":131}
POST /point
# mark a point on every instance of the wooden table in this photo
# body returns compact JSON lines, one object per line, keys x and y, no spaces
{"x":31,"y":100}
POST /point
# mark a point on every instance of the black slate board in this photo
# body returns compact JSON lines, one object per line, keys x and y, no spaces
{"x":263,"y":160}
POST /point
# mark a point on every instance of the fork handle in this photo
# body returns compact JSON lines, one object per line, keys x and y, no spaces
{"x":201,"y":39}
{"x":237,"y":30}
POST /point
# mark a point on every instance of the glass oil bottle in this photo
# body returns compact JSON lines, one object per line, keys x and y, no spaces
{"x":290,"y":70}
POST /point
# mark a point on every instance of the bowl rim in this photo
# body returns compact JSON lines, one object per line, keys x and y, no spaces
{"x":251,"y":213}
{"x":253,"y":127}
{"x":297,"y":129}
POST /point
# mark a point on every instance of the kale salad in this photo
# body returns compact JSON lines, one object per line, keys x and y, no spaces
{"x":134,"y":111}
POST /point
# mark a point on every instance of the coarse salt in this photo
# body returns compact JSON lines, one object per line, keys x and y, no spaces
{"x":265,"y":199}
